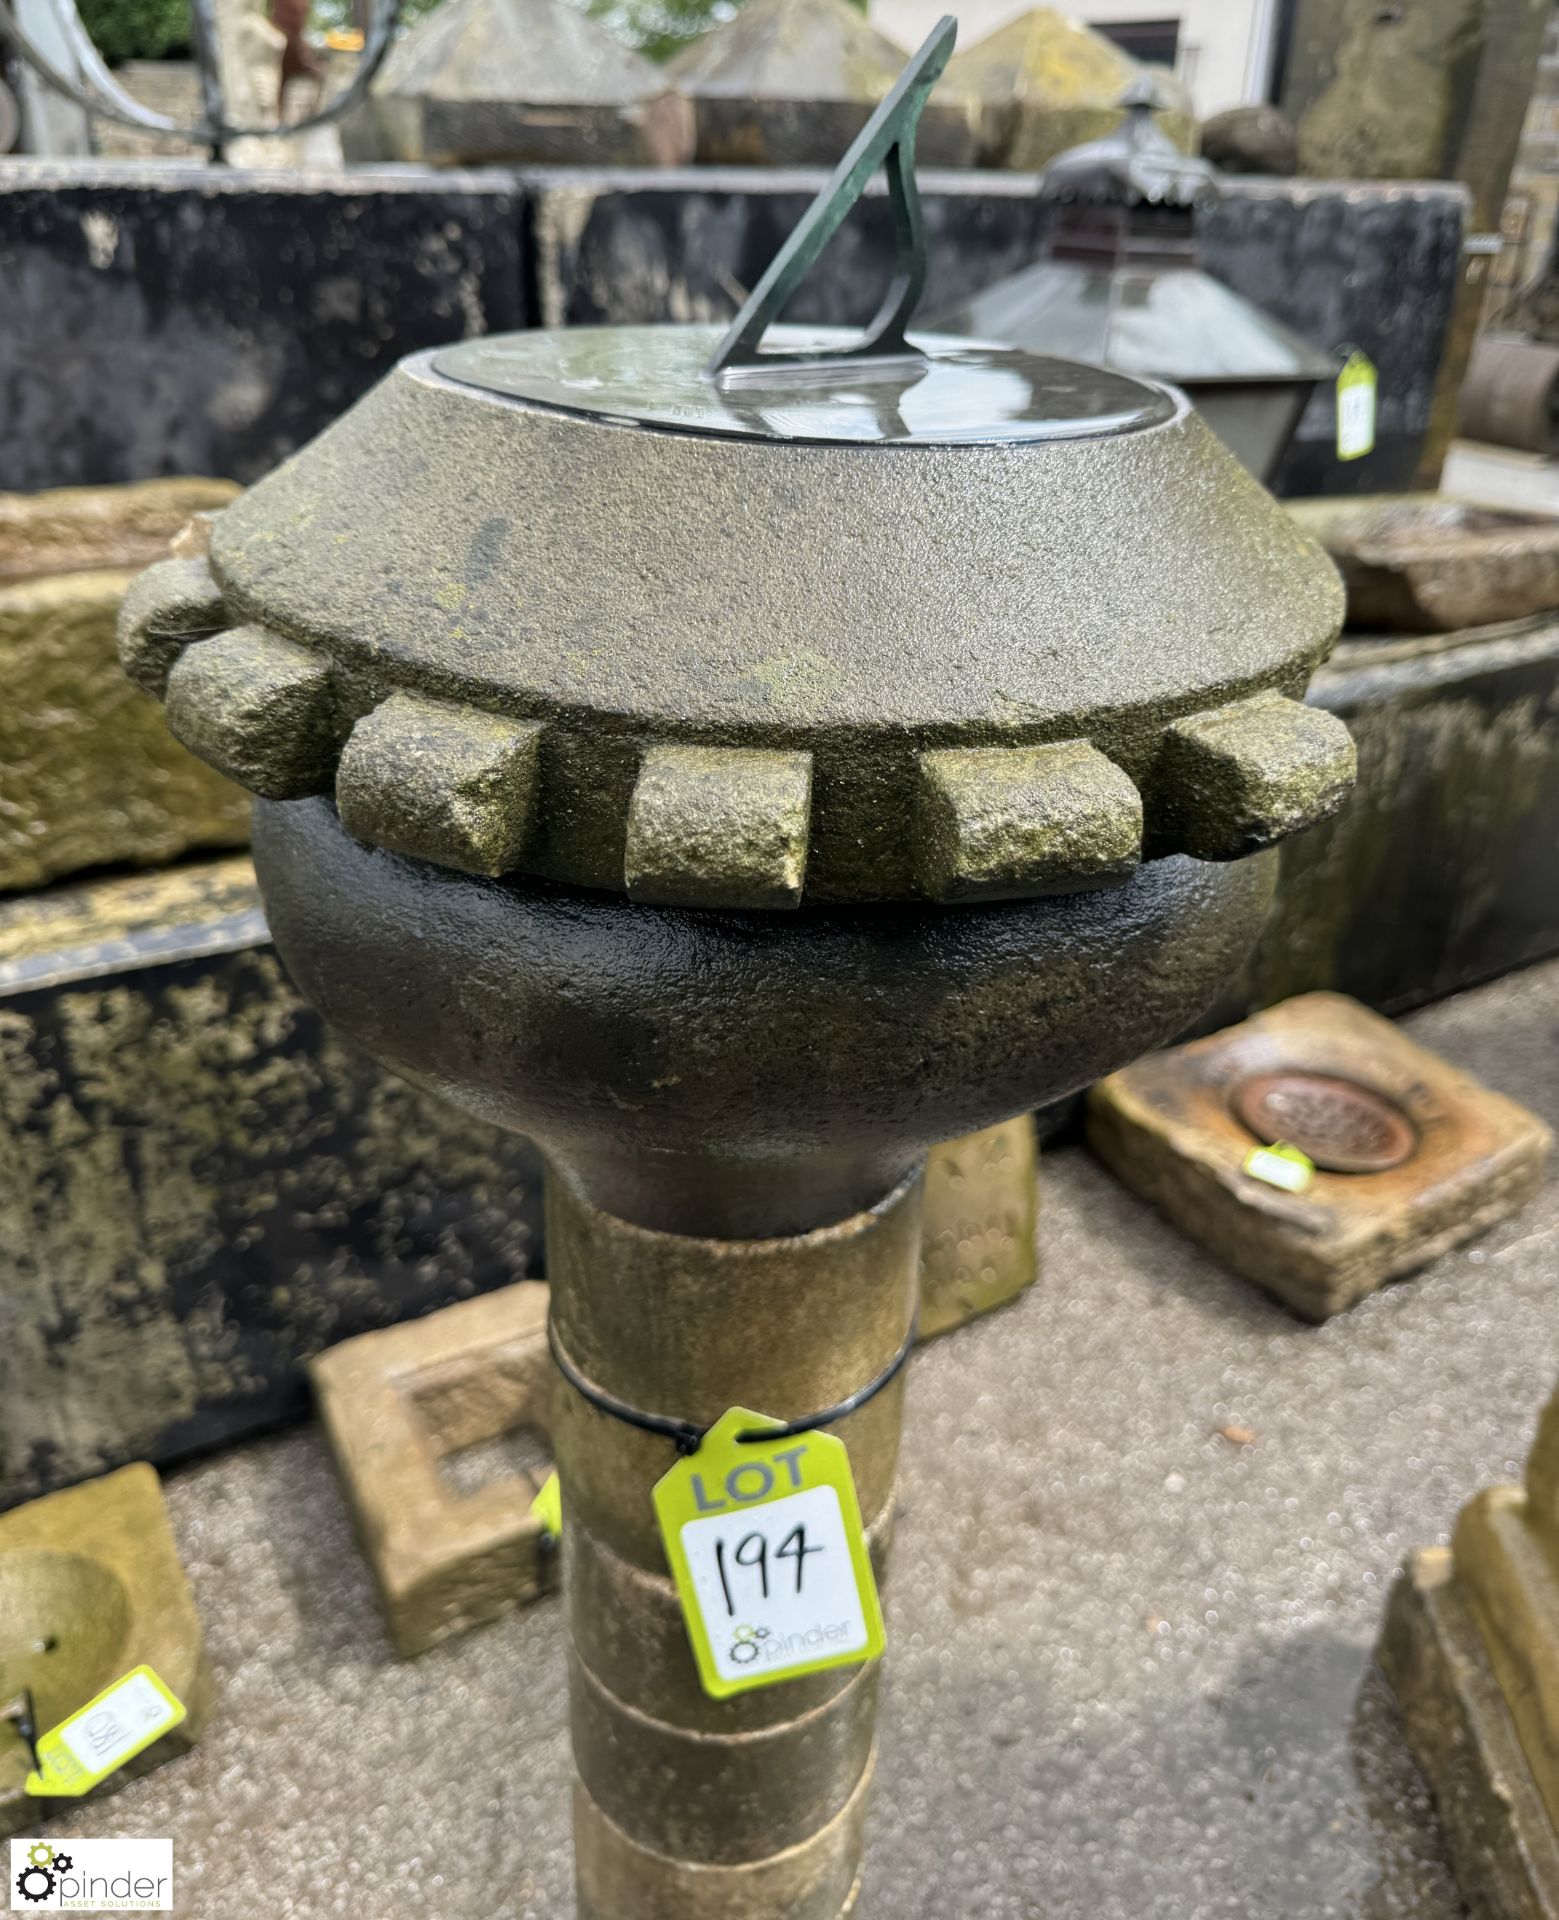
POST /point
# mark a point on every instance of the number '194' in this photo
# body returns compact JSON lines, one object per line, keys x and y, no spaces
{"x":752,"y":1552}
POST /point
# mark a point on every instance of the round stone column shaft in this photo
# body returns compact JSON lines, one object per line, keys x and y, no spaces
{"x":686,"y":1807}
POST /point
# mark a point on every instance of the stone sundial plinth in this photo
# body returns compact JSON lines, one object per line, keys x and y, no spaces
{"x":740,"y":765}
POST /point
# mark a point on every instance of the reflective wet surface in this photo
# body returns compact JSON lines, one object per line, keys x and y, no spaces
{"x":958,"y":393}
{"x":1148,"y":1522}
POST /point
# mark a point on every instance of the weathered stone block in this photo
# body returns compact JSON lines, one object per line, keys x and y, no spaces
{"x":1507,"y":1558}
{"x":979,"y":1221}
{"x":91,"y":1588}
{"x":199,"y":1186}
{"x":712,"y":827}
{"x":396,"y":1403}
{"x":259,"y":708}
{"x":440,"y":783}
{"x":1044,"y":82}
{"x":1431,"y":92}
{"x":72,"y":529}
{"x":1230,"y":782}
{"x":1502,"y":1843}
{"x":89,"y":775}
{"x":220,"y":317}
{"x":165,"y":609}
{"x":1425,"y":563}
{"x":787,"y":83}
{"x":1439,"y":1158}
{"x":995,"y":822}
{"x":1438,"y":873}
{"x":519,"y":80}
{"x":1471,"y":1647}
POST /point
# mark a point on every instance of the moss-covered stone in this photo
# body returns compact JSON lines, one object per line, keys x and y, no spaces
{"x":685,"y":590}
{"x":165,"y":609}
{"x":89,"y":774}
{"x":1502,"y":1845}
{"x":1506,"y":1546}
{"x":199,"y":1186}
{"x":713,"y":827}
{"x":440,"y":783}
{"x":1237,"y":779}
{"x":259,"y":708}
{"x":999,"y":823}
{"x":1471,"y":1648}
{"x":790,"y":83}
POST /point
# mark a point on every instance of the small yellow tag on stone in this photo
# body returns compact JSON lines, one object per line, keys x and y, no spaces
{"x":1356,"y":394}
{"x":765,"y":1544}
{"x":96,"y":1741}
{"x":1281,"y":1166}
{"x":547,"y":1507}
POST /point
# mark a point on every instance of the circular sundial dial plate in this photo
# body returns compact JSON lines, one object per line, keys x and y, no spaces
{"x":951,"y":393}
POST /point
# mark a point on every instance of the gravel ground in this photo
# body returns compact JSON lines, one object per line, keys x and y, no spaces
{"x":1130,"y":1659}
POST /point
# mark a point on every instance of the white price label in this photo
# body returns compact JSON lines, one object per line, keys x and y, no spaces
{"x":119,"y":1724}
{"x":776,"y":1586}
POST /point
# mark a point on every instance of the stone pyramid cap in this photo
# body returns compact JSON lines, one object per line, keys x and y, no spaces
{"x":790,"y":50}
{"x":540,"y":51}
{"x":1049,"y":82}
{"x":789,"y":83}
{"x":519,"y":82}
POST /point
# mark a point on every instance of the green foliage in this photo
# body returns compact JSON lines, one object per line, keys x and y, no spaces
{"x":137,"y":29}
{"x":661,"y":28}
{"x":656,"y":27}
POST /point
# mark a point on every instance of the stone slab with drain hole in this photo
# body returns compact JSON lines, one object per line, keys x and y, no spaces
{"x":1412,"y":1156}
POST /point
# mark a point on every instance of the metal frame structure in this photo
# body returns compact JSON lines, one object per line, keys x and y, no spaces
{"x":100,"y":94}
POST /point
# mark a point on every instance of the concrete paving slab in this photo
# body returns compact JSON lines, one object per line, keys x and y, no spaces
{"x":1130,"y":1664}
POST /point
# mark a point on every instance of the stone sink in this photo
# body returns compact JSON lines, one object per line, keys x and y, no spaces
{"x":90,"y":1588}
{"x":1430,"y":563}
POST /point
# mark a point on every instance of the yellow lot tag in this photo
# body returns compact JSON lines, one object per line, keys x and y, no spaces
{"x":766,"y":1546}
{"x":547,"y":1507}
{"x":1281,"y":1166}
{"x":121,"y":1722}
{"x":1356,"y":394}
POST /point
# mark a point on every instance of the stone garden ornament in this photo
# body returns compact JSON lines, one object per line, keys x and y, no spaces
{"x":740,"y":763}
